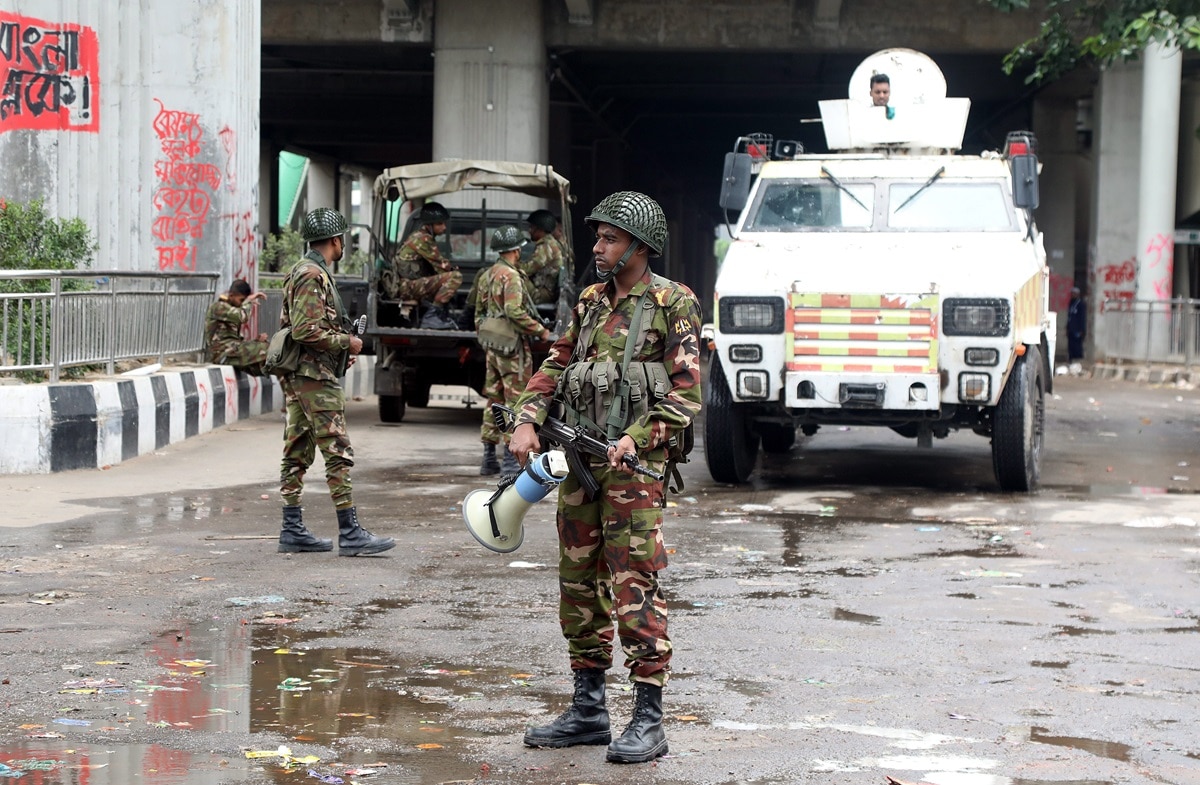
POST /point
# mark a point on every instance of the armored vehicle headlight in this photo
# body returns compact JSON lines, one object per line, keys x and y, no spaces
{"x":962,"y":316}
{"x":745,"y":353}
{"x":751,"y":314}
{"x":752,"y":384}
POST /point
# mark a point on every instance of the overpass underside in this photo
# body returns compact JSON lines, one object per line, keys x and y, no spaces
{"x":615,"y":94}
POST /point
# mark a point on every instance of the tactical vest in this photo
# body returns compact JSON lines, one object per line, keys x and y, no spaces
{"x":608,"y":396}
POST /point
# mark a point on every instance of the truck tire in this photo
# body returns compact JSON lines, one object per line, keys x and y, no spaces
{"x":776,"y":438}
{"x":417,"y":394}
{"x":391,"y":408}
{"x":1019,"y":425}
{"x":730,"y":447}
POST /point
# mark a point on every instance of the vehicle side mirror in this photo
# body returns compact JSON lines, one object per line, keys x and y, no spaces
{"x":1025,"y":181}
{"x":735,"y":181}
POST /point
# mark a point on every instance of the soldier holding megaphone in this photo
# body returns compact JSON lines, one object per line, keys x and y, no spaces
{"x":628,"y":369}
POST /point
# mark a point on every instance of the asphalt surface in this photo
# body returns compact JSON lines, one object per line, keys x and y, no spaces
{"x":862,"y":609}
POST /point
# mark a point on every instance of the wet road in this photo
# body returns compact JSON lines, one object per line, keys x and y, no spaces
{"x":863,"y":609}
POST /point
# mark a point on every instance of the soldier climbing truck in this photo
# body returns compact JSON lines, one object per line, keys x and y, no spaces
{"x":412,"y":358}
{"x":891,"y":283}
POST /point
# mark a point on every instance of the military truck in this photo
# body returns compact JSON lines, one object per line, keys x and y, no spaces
{"x":889,"y":283}
{"x":409,"y":359}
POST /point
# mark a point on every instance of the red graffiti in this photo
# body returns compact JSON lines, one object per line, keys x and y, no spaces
{"x":245,"y":245}
{"x":1125,"y":272}
{"x":202,"y":389}
{"x":183,"y":201}
{"x":231,"y":399}
{"x":49,"y":75}
{"x":1060,"y":291}
{"x":1160,"y":248}
{"x":229,"y":142}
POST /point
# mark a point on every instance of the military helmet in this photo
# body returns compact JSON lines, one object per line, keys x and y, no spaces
{"x":321,"y":224}
{"x":434,"y":213}
{"x":542,"y":219}
{"x":637,"y":214}
{"x":507,"y":238}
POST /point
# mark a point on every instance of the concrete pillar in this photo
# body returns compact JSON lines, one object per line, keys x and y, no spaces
{"x":321,"y":186}
{"x":1054,"y":121}
{"x":490,"y":97}
{"x":1112,"y":266}
{"x":1161,"y":77}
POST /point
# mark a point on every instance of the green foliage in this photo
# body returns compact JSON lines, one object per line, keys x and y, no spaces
{"x":281,"y":252}
{"x":32,"y":240}
{"x":1098,"y":32}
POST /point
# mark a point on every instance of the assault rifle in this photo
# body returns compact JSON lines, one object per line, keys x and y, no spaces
{"x":356,"y":327}
{"x":574,"y":441}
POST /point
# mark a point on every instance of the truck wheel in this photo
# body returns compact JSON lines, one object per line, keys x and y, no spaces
{"x":417,"y":394}
{"x":391,"y":408}
{"x":730,"y":447}
{"x":776,"y":438}
{"x":1019,"y":425}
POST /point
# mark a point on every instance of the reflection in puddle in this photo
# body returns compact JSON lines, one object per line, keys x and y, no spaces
{"x":1103,"y":749}
{"x":349,"y":706}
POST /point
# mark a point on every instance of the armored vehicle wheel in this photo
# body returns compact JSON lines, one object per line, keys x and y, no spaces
{"x":730,"y":447}
{"x":777,"y":438}
{"x":417,"y":394}
{"x":391,"y":408}
{"x":1019,"y":424}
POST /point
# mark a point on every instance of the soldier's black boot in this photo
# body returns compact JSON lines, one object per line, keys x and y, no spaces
{"x":643,"y":739}
{"x":584,"y":722}
{"x":354,"y":540}
{"x":438,"y":318}
{"x":510,"y":467}
{"x":490,"y":465}
{"x":295,"y":538}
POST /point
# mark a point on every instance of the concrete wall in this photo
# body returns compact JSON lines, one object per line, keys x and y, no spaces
{"x":150,"y":131}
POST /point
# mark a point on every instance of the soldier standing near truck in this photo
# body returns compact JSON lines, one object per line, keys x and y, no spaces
{"x":611,"y":545}
{"x":316,"y":403}
{"x":505,"y":319}
{"x":419,"y":271}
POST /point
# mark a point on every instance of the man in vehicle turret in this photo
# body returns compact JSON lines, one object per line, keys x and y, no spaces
{"x":542,"y":268}
{"x":611,"y":545}
{"x":419,"y":271}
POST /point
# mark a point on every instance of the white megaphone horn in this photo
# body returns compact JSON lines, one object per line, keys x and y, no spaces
{"x":494,"y":517}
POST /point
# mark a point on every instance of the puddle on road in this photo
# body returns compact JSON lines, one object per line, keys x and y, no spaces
{"x":840,"y":614}
{"x":351,"y":706}
{"x":1102,"y":749}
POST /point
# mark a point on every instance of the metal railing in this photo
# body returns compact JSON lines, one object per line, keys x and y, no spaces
{"x":1149,"y":331}
{"x":100,"y":317}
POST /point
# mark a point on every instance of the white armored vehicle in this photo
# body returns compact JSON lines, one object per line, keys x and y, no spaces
{"x":888,"y":283}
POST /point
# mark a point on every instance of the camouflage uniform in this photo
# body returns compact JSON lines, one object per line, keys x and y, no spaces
{"x":542,"y":268}
{"x":316,"y":403}
{"x":500,"y":290}
{"x":419,"y":272}
{"x":223,"y":335}
{"x":611,"y":549}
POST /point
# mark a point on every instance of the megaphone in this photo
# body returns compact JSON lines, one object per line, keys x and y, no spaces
{"x":494,"y":517}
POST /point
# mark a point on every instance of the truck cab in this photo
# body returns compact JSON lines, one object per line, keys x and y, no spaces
{"x":889,"y":283}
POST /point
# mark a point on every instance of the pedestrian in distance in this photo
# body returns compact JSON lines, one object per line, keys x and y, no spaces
{"x":881,"y":89}
{"x":1076,"y":325}
{"x":611,"y":546}
{"x":315,"y":401}
{"x":223,"y":326}
{"x":502,"y":304}
{"x":418,"y":271}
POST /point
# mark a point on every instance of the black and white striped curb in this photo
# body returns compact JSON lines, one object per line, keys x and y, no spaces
{"x":57,"y":427}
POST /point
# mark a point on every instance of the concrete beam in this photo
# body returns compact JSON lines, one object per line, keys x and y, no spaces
{"x":579,"y":12}
{"x":827,"y":13}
